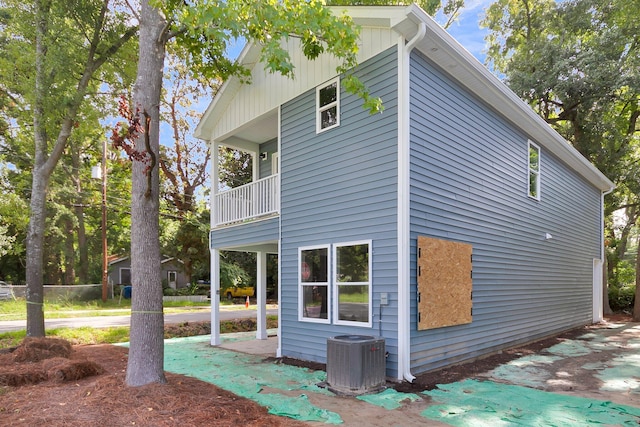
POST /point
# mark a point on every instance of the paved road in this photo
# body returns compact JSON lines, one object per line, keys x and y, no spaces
{"x":202,"y":315}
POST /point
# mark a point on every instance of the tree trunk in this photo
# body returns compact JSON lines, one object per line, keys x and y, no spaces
{"x":69,"y":277}
{"x":34,"y":292}
{"x":35,"y":256}
{"x":146,"y":351}
{"x":83,"y":254}
{"x":636,"y":303}
{"x":44,"y":160}
{"x":606,"y":307}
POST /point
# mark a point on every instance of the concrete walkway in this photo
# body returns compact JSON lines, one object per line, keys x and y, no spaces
{"x":591,"y":380}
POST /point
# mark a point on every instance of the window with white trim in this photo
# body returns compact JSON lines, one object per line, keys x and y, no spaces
{"x":352,"y":283}
{"x":534,"y":171}
{"x":313,"y":277}
{"x":328,"y":106}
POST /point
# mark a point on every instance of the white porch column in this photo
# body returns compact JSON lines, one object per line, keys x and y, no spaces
{"x":261,"y":289}
{"x":215,"y":297}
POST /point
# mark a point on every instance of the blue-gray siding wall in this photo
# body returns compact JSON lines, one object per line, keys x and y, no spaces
{"x":469,"y":184}
{"x":340,"y":186}
{"x":266,"y":230}
{"x":269,"y":147}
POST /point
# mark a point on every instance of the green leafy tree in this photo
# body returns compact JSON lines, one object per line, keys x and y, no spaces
{"x":450,"y":9}
{"x":56,"y":54}
{"x":184,"y":161}
{"x":203,"y":31}
{"x":577,"y":63}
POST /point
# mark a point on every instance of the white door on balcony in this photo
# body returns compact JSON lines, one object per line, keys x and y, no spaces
{"x":275,"y":163}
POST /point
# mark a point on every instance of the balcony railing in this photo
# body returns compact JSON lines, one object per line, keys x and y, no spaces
{"x":249,"y":201}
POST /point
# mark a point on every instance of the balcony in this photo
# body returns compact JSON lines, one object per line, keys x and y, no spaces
{"x":250,"y":201}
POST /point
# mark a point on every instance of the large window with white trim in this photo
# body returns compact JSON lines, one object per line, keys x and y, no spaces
{"x":534,"y":171}
{"x":328,"y":105}
{"x":336,"y":290}
{"x":352,"y":282}
{"x":313,"y":276}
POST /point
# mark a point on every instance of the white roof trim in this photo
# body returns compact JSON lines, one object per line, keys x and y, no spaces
{"x":457,"y":62}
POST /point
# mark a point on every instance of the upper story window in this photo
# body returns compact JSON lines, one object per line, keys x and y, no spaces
{"x":328,"y":106}
{"x":534,"y":171}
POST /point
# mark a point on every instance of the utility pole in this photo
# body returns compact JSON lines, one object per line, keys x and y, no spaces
{"x":101,"y":173}
{"x":104,"y":220}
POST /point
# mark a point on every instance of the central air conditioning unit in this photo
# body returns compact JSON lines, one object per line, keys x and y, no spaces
{"x":356,"y":364}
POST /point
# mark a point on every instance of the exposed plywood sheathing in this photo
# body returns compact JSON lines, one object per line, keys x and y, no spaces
{"x":444,"y":283}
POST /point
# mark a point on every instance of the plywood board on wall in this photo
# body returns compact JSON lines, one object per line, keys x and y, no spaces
{"x":444,"y":283}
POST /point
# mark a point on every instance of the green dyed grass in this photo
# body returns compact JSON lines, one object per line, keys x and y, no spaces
{"x":485,"y":403}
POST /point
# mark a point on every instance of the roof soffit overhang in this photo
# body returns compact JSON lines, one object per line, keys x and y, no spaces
{"x":456,"y":61}
{"x":461,"y":65}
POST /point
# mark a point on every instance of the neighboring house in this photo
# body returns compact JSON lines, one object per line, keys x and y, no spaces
{"x":173,"y":274}
{"x":454,"y":224}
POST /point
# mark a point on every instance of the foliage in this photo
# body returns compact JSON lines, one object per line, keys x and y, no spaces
{"x":577,"y":63}
{"x":622,"y":298}
{"x":450,"y":9}
{"x":184,"y":161}
{"x":55,"y":53}
{"x":235,"y":168}
{"x":204,"y":31}
{"x":231,"y":271}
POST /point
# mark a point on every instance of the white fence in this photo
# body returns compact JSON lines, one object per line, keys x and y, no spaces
{"x":251,"y":200}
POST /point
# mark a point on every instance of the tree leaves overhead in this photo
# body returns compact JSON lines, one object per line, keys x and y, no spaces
{"x":577,"y":63}
{"x":205,"y":30}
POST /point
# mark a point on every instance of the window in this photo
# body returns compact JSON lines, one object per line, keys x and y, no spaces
{"x":125,"y":276}
{"x":350,"y":290}
{"x":328,"y":106}
{"x":313,"y":275}
{"x":352,"y":281}
{"x":534,"y":171}
{"x":172,"y":278}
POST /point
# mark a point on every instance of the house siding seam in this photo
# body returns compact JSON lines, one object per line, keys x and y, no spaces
{"x":340,"y":186}
{"x":469,"y":184}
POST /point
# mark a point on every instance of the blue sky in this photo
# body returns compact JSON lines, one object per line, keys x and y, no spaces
{"x":466,"y":30}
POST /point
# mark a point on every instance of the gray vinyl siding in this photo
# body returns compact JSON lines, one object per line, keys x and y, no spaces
{"x":269,"y":147}
{"x":254,"y":232}
{"x":340,"y":186}
{"x":469,"y":184}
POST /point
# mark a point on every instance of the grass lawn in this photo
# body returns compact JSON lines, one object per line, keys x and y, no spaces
{"x":87,"y":335}
{"x":17,"y":309}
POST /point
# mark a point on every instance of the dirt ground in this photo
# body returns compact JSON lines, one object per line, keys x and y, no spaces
{"x":84,"y":385}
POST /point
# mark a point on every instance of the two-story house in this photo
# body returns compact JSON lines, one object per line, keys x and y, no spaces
{"x":454,"y":224}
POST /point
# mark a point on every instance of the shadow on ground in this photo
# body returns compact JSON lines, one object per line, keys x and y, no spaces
{"x":590,"y":378}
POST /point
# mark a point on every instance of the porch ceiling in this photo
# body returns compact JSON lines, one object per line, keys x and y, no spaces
{"x":268,"y":247}
{"x":259,"y":130}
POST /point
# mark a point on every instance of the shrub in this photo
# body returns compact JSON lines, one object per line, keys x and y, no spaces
{"x":622,"y":298}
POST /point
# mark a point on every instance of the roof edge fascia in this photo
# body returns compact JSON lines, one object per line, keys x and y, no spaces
{"x":473,"y":74}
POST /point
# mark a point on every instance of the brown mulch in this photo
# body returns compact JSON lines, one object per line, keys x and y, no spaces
{"x":48,"y":382}
{"x":454,"y":373}
{"x":86,"y":387}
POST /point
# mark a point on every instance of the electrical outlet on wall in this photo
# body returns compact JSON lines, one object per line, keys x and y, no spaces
{"x":384,"y":298}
